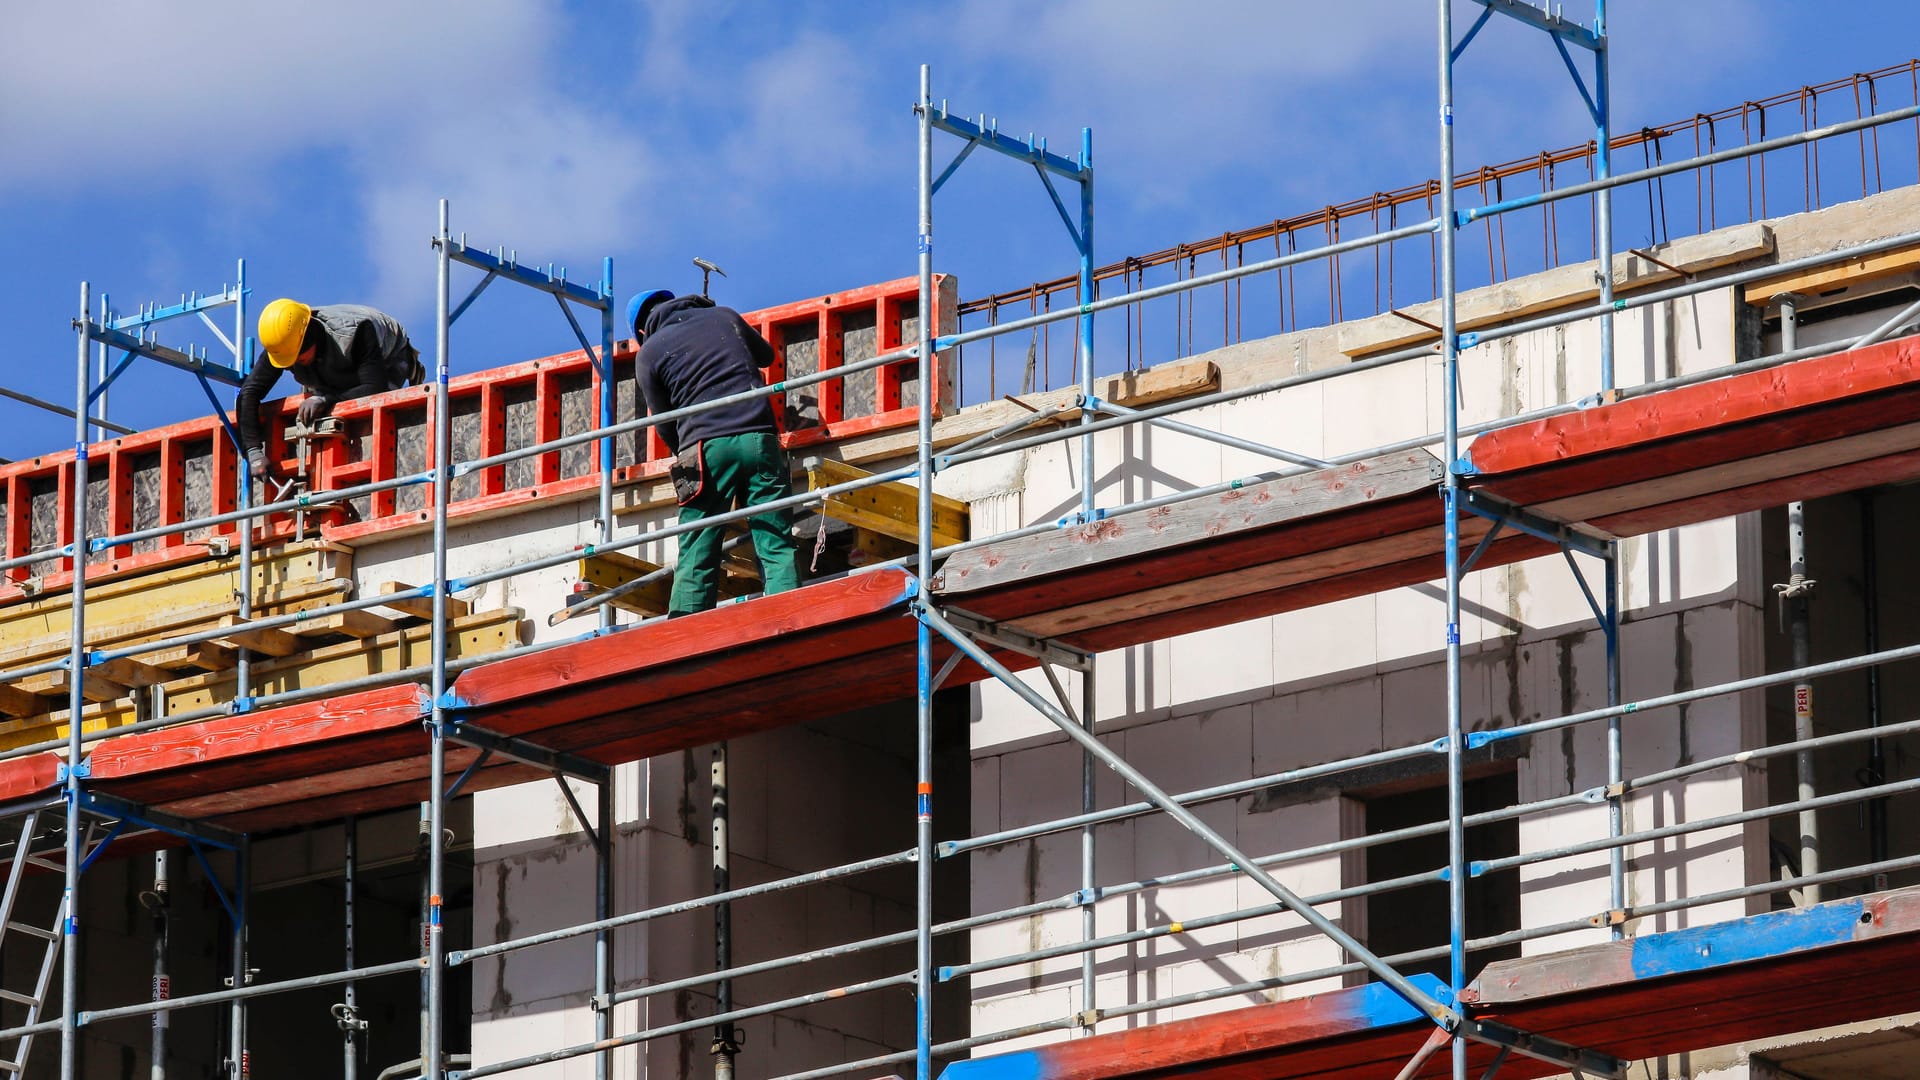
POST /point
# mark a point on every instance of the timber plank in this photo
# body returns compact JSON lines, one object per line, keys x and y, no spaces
{"x":706,"y":637}
{"x":1765,"y":394}
{"x":353,"y":623}
{"x":1208,"y":523}
{"x":1816,"y":280}
{"x":254,"y":734}
{"x":33,"y":774}
{"x":891,"y":509}
{"x":15,"y":701}
{"x":267,"y":639}
{"x":309,"y":786}
{"x":419,"y":607}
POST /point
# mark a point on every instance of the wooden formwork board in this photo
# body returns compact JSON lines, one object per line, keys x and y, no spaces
{"x":474,"y":634}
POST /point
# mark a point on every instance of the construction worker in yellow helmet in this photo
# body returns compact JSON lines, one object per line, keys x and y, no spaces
{"x":336,"y":352}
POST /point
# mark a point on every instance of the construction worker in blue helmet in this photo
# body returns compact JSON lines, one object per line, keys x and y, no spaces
{"x":337,"y":352}
{"x":725,"y":458}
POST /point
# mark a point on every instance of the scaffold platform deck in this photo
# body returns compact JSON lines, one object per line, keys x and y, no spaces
{"x":1661,"y":460}
{"x":1636,"y":998}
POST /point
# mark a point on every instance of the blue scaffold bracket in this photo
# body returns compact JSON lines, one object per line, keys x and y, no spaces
{"x":1086,"y":897}
{"x":911,"y":591}
{"x":946,"y":849}
{"x":84,"y":771}
{"x":1478,"y":739}
{"x":1476,"y":868}
{"x":449,"y":702}
{"x":66,"y":551}
{"x":1463,"y":342}
{"x":946,"y":973}
{"x":946,"y":342}
{"x":925,"y":245}
{"x":240,"y":705}
{"x":1453,"y":633}
{"x":1080,"y":518}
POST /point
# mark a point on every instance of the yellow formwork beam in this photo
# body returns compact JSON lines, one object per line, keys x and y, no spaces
{"x":471,"y":635}
{"x":891,"y":509}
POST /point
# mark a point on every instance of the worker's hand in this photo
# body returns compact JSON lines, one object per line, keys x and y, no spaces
{"x":312,"y":409}
{"x":259,"y":466}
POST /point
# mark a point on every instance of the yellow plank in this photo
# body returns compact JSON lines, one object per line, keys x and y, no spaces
{"x":167,"y":619}
{"x":201,"y":655}
{"x":891,"y":509}
{"x":1837,"y":275}
{"x":199,"y":584}
{"x":610,"y":569}
{"x":470,"y":635}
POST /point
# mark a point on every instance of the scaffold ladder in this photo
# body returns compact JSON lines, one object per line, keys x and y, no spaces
{"x":12,"y":930}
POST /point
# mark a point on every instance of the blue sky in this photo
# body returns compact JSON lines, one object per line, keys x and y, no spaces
{"x":148,"y":146}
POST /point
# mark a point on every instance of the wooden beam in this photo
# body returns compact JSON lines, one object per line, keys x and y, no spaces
{"x":1203,"y":522}
{"x":1150,"y":386}
{"x":606,"y":570}
{"x":353,"y":623}
{"x":418,"y":607}
{"x":201,"y":655}
{"x":1835,"y":276}
{"x":891,"y":509}
{"x":15,"y":701}
{"x":269,"y":640}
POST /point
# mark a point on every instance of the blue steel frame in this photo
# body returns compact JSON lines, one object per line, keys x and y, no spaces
{"x":134,"y":336}
{"x":1046,"y":165}
{"x":442,"y":722}
{"x":1456,"y":497}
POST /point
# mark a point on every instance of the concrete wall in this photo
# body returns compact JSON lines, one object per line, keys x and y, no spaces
{"x":1311,"y":686}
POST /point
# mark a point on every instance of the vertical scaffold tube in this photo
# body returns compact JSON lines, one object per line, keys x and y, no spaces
{"x":350,"y":1006}
{"x":243,"y":362}
{"x":1616,"y":755}
{"x":602,"y":909}
{"x":1450,"y":358}
{"x":1088,"y":1004}
{"x":923,"y":794}
{"x":237,"y":1015}
{"x":1796,"y":595}
{"x":1086,"y":320}
{"x":76,"y":668}
{"x":1089,"y":1000}
{"x":608,"y":395}
{"x":162,"y":982}
{"x":1603,"y":206}
{"x":430,"y":1054}
{"x":724,"y":1049}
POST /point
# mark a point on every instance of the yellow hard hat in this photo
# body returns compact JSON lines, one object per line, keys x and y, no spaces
{"x":283,"y":326}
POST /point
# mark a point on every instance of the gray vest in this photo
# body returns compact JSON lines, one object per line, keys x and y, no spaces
{"x":341,"y":321}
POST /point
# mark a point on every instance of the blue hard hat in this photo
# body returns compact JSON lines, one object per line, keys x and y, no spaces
{"x":642,"y":303}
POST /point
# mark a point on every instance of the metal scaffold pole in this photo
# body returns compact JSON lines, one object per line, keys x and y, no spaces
{"x":1603,"y":207}
{"x":923,"y":847}
{"x":430,"y":1051}
{"x":1450,"y":359}
{"x":243,"y":498}
{"x":76,"y":668}
{"x":1089,"y":1005}
{"x":237,"y":1010}
{"x":608,"y":393}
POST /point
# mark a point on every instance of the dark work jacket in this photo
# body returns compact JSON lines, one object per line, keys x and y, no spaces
{"x":697,"y":352}
{"x":367,"y":363}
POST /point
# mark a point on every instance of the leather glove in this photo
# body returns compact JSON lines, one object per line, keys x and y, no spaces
{"x":258,"y":465}
{"x":313,"y":409}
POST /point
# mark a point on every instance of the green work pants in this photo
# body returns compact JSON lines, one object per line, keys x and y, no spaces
{"x":739,"y":470}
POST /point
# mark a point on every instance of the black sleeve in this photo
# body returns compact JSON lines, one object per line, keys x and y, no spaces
{"x":369,"y":365}
{"x":653,"y":394}
{"x":758,"y":347}
{"x":252,"y":390}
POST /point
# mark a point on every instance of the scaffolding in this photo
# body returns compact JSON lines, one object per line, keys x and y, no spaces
{"x":949,"y":643}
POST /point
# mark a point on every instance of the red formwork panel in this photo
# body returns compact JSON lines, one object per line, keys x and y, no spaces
{"x":187,"y":470}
